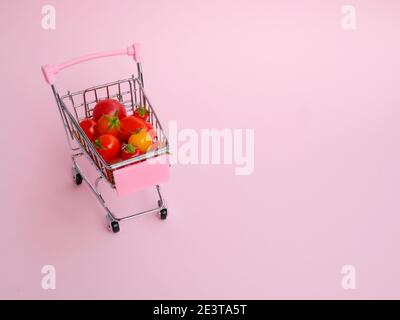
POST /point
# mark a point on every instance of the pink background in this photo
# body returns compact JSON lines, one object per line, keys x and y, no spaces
{"x":324,"y":104}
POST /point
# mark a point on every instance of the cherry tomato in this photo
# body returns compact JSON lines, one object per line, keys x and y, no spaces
{"x":131,"y":124}
{"x":108,"y":107}
{"x":115,"y":160}
{"x":109,"y":124}
{"x":130,"y":151}
{"x":89,"y":126}
{"x":141,"y":139}
{"x":142,"y":113}
{"x":151,"y":130}
{"x":107,"y":146}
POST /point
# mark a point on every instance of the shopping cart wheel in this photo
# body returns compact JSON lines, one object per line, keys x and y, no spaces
{"x":163,"y":213}
{"x":78,"y":178}
{"x":114,"y":226}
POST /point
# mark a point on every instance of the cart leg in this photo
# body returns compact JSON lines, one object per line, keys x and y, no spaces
{"x":112,"y":221}
{"x":76,"y":174}
{"x":161,"y":205}
{"x":113,"y":225}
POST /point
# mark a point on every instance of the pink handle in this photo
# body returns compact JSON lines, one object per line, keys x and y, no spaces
{"x":51,"y":70}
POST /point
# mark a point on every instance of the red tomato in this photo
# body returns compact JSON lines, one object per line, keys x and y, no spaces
{"x":89,"y":126}
{"x":109,"y":124}
{"x":151,"y":132}
{"x":108,"y":107}
{"x":129,"y":151}
{"x":150,"y":129}
{"x":115,"y":160}
{"x":130,"y":125}
{"x":108,"y":147}
{"x":142,"y":113}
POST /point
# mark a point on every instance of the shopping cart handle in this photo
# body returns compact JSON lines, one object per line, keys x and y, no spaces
{"x":51,"y":70}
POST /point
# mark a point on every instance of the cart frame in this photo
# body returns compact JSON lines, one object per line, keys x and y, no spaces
{"x":130,"y":92}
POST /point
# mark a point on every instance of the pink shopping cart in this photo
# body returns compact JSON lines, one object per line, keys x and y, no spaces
{"x":127,"y":176}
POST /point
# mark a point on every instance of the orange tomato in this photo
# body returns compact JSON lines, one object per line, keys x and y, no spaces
{"x":141,"y":139}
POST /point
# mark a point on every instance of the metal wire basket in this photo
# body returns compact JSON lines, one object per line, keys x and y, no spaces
{"x":129,"y":93}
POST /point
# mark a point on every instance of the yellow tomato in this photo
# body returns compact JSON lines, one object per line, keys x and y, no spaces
{"x":141,"y":140}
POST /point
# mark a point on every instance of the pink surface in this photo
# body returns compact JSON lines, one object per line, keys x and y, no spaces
{"x":324,"y":104}
{"x":141,"y":175}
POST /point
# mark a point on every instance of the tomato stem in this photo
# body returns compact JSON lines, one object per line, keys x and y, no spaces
{"x":130,"y":148}
{"x":113,"y":121}
{"x":142,"y":111}
{"x":97,"y":143}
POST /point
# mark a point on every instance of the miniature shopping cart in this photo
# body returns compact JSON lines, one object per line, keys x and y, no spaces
{"x":127,"y":176}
